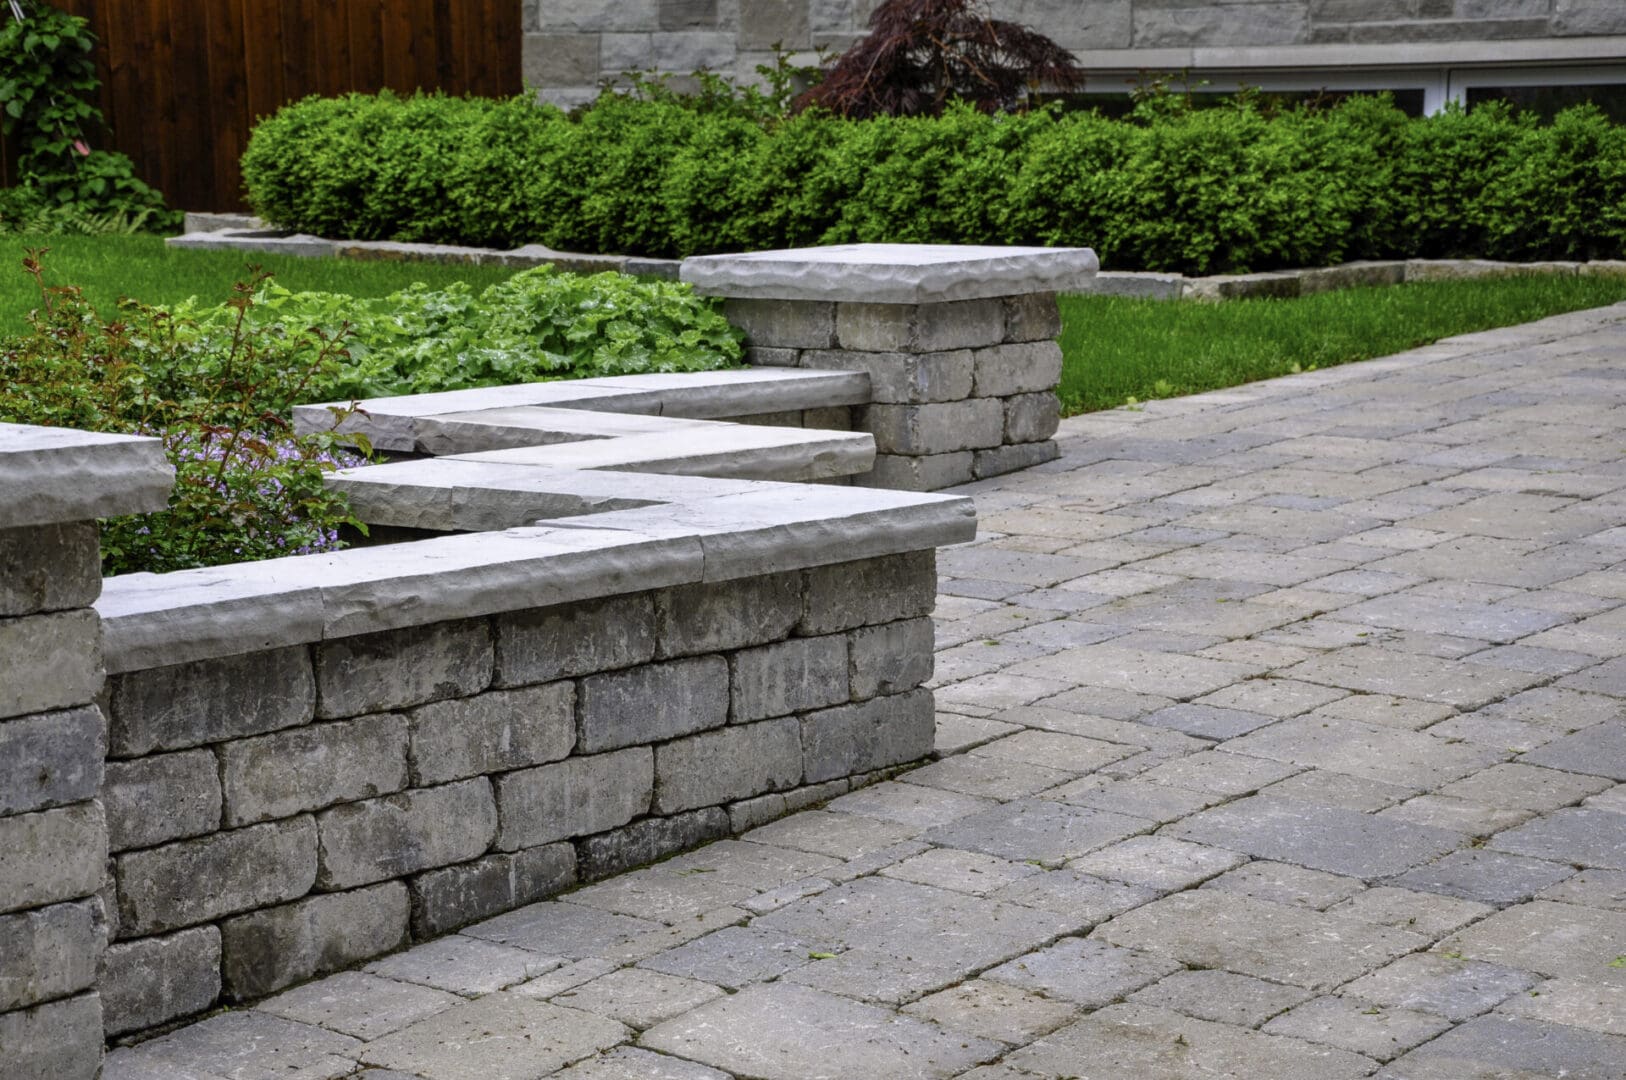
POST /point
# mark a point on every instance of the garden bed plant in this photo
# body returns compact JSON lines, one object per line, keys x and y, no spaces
{"x":217,"y":382}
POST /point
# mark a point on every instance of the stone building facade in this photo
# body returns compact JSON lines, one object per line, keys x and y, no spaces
{"x":1437,"y":50}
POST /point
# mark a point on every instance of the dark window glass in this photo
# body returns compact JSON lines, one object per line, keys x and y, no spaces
{"x":1548,"y":101}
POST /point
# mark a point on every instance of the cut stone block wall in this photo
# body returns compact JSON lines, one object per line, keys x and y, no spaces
{"x":570,"y":45}
{"x":53,"y":739}
{"x":283,"y":813}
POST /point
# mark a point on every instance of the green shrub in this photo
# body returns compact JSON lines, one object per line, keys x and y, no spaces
{"x":246,"y":487}
{"x":537,"y":325}
{"x":1241,"y":187}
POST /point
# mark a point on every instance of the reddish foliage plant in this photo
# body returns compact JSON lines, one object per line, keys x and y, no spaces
{"x":922,"y":54}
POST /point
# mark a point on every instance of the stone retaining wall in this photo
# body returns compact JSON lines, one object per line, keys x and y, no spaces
{"x":280,"y":814}
{"x":53,"y":737}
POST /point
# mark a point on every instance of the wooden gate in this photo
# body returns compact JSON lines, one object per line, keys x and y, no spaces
{"x":184,"y":80}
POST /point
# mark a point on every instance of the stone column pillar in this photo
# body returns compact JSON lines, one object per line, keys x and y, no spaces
{"x":54,"y":483}
{"x":959,"y":344}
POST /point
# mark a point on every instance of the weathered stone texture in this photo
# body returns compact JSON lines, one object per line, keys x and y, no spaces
{"x":51,"y":855}
{"x":556,"y":60}
{"x":267,"y":950}
{"x":789,"y":676}
{"x":900,"y":377}
{"x":870,"y":735}
{"x":53,"y":661}
{"x":51,"y":759}
{"x":492,"y":732}
{"x":313,"y":767}
{"x":401,"y":834}
{"x":576,"y":639}
{"x":728,"y":614}
{"x":1031,"y":418}
{"x":172,"y":708}
{"x":48,"y":952}
{"x":153,"y":980}
{"x":653,"y":702}
{"x":891,"y":658}
{"x":784,"y":324}
{"x":400,"y":668}
{"x":194,"y":881}
{"x":734,"y":763}
{"x":643,"y":842}
{"x":452,"y":897}
{"x":935,"y":429}
{"x":846,"y":596}
{"x":920,"y":328}
{"x":49,"y":568}
{"x":1032,"y":317}
{"x":899,"y":472}
{"x":1024,"y":368}
{"x":574,"y":797}
{"x":159,"y":798}
{"x":61,"y":1040}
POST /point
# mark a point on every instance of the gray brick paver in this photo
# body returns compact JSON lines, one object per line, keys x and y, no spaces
{"x":1310,"y":687}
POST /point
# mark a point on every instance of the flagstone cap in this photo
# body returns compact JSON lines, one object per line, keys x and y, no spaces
{"x":891,"y":273}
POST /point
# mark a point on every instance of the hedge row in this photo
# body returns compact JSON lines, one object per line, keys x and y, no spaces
{"x":1197,"y":191}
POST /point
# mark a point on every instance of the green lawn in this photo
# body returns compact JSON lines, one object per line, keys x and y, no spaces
{"x":108,"y":267}
{"x":1116,"y":349}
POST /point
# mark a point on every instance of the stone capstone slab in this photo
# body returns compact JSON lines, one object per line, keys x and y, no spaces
{"x":51,"y":476}
{"x":891,"y":273}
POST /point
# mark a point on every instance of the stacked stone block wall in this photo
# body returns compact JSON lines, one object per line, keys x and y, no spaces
{"x":53,"y":835}
{"x":570,"y":45}
{"x":278,"y":815}
{"x":961,"y":389}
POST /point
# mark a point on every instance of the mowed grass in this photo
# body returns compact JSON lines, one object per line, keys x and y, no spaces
{"x":110,"y":267}
{"x":1116,"y":350}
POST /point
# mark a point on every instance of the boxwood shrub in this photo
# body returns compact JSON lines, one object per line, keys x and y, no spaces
{"x":1171,"y":188}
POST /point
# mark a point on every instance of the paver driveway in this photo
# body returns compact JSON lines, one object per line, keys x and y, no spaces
{"x":1281,"y":736}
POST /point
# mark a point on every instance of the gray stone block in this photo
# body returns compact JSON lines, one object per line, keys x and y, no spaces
{"x":559,"y":60}
{"x":492,"y":732}
{"x":1270,"y":285}
{"x":58,"y":1041}
{"x":728,"y":614}
{"x":1031,"y":418}
{"x":966,"y":324}
{"x":1006,"y":459}
{"x":933,"y":472}
{"x":312,"y":767}
{"x":768,"y":24}
{"x":163,"y":797}
{"x":873,"y":734}
{"x":902,"y":377}
{"x":643,"y":842}
{"x":935,"y":429}
{"x":195,"y":881}
{"x":784,"y":324}
{"x":454,"y":896}
{"x":846,"y":596}
{"x":51,"y":759}
{"x":1586,"y":17}
{"x":172,"y":708}
{"x":49,"y":568}
{"x":1351,"y":275}
{"x":1033,"y":317}
{"x":688,"y":14}
{"x":1024,"y":368}
{"x":763,"y":356}
{"x":833,"y":418}
{"x":52,"y":661}
{"x":403,"y":833}
{"x":789,"y":676}
{"x":574,"y":797}
{"x":398,"y":668}
{"x":49,"y":952}
{"x":154,"y":980}
{"x":734,"y":763}
{"x":1173,"y":25}
{"x":653,"y":702}
{"x":265,"y":951}
{"x":576,"y":639}
{"x":51,"y":855}
{"x":891,"y":658}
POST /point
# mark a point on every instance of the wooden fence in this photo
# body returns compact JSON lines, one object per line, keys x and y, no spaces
{"x":184,"y":80}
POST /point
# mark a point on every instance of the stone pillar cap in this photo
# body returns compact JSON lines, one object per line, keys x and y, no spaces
{"x":891,"y":273}
{"x":52,"y":475}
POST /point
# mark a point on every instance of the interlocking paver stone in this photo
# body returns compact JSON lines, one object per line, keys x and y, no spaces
{"x":1495,"y":1046}
{"x":631,"y":1063}
{"x":1318,"y":837}
{"x":1391,"y":756}
{"x":1559,"y":940}
{"x":1445,"y":985}
{"x":1221,"y":996}
{"x":1089,"y":973}
{"x":994,"y":1010}
{"x":1585,"y":837}
{"x":1490,"y":877}
{"x":500,"y":1035}
{"x":362,"y":1006}
{"x":249,"y":1045}
{"x":1049,"y":832}
{"x":1596,"y":751}
{"x":782,"y":1032}
{"x":1356,"y":1026}
{"x":465,"y":965}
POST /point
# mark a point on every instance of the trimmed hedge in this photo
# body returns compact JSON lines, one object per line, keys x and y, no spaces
{"x":1197,"y":191}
